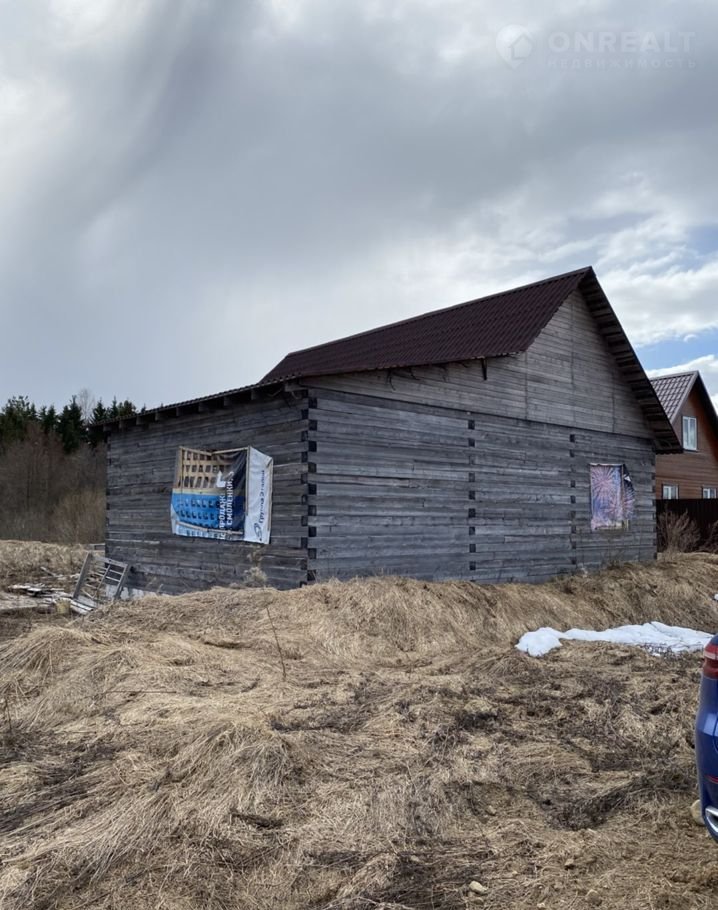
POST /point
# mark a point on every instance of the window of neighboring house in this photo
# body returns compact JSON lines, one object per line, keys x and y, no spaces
{"x":690,"y":434}
{"x":710,"y":493}
{"x":670,"y":491}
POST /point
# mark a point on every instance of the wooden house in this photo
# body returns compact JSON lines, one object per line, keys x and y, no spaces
{"x":692,"y":474}
{"x":508,"y":438}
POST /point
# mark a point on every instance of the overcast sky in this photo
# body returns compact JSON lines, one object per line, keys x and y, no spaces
{"x":191,"y":188}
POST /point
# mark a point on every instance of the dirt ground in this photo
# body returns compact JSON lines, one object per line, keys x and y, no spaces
{"x":376,"y":744}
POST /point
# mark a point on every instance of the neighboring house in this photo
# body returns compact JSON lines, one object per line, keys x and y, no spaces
{"x":507,"y":438}
{"x":693,"y":474}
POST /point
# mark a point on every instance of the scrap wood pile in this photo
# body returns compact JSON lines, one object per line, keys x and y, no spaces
{"x":32,"y":562}
{"x":45,"y":597}
{"x":376,"y":744}
{"x":34,"y":578}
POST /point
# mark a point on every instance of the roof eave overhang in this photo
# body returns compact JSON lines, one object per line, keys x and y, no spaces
{"x":666,"y":440}
{"x":707,"y":402}
{"x":208,"y":403}
{"x":390,"y":367}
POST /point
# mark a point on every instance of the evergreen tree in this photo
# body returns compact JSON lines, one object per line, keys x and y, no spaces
{"x":95,"y":432}
{"x":99,"y":412}
{"x":126,"y":409}
{"x":71,"y":427}
{"x":15,"y":418}
{"x":48,"y":419}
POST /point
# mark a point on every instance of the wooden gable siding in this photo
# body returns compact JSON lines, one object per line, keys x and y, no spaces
{"x":568,"y":377}
{"x":691,"y":471}
{"x":140,"y":474}
{"x":573,"y":379}
{"x":438,"y":472}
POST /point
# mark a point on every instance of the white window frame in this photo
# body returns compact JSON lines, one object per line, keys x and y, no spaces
{"x":690,"y":434}
{"x":667,"y":491}
{"x":710,"y":493}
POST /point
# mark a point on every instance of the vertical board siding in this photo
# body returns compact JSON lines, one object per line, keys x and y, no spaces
{"x":140,"y":473}
{"x":703,"y":512}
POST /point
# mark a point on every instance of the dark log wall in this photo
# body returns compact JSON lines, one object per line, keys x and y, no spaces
{"x":438,"y":472}
{"x":435,"y":472}
{"x":691,"y":471}
{"x":141,"y":464}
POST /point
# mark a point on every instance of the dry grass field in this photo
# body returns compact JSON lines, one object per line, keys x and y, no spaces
{"x":32,"y":561}
{"x":375,"y":744}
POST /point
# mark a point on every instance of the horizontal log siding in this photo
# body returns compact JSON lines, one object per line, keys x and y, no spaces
{"x":574,"y":380}
{"x":389,"y":488}
{"x":433,"y":472}
{"x":141,"y":464}
{"x":398,"y":488}
{"x":439,"y":472}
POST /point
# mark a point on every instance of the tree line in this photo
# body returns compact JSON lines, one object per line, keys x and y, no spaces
{"x":52,"y":468}
{"x":74,"y":425}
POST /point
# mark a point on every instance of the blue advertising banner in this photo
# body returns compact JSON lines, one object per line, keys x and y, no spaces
{"x":222,"y":495}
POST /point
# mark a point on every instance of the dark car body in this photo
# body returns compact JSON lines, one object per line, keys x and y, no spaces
{"x":706,"y":742}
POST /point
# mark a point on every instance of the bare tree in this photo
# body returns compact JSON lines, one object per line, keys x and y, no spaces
{"x":87,"y":402}
{"x":49,"y":494}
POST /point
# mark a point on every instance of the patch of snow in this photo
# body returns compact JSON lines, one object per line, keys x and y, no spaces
{"x":654,"y":636}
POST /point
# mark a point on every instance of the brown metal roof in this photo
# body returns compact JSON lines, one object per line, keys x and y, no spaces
{"x":504,"y":323}
{"x":673,"y":390}
{"x":493,"y":326}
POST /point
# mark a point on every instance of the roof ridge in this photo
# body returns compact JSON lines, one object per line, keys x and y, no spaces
{"x":446,"y":309}
{"x":676,"y":375}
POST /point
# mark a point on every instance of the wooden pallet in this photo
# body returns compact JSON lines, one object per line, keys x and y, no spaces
{"x":101,"y":581}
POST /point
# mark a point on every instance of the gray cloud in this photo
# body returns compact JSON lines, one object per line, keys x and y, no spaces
{"x":192,"y":188}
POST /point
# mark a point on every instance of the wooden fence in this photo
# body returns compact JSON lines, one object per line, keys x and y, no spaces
{"x":704,"y":512}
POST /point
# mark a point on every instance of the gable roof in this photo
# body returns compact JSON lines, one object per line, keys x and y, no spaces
{"x":673,"y":390}
{"x":493,"y":326}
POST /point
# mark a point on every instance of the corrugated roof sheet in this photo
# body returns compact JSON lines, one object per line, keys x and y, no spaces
{"x":493,"y":326}
{"x":504,"y":323}
{"x":673,"y":390}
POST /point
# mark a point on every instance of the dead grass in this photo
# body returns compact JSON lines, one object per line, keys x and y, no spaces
{"x":79,"y":517}
{"x":156,"y":757}
{"x":677,"y":533}
{"x":31,"y":561}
